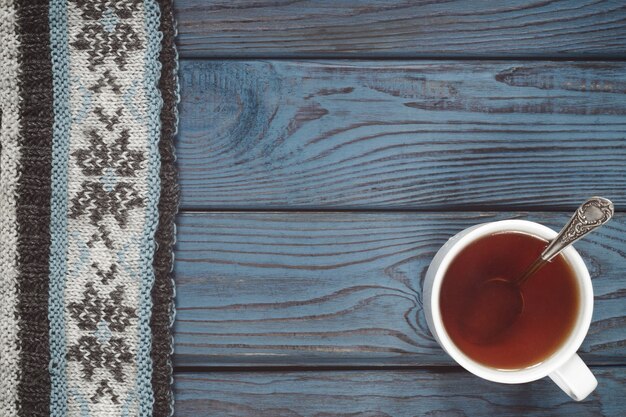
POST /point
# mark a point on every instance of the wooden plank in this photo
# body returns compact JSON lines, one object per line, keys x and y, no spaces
{"x":407,"y":29}
{"x":384,"y":394}
{"x":390,"y":135}
{"x":326,"y":289}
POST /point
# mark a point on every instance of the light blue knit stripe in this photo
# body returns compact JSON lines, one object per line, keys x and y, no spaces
{"x":57,"y":16}
{"x":152,"y":73}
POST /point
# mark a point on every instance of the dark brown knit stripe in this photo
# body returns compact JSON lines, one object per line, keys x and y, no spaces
{"x":33,"y":206}
{"x":163,"y":291}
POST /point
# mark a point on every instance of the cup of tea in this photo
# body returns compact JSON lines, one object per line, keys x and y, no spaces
{"x":542,"y":339}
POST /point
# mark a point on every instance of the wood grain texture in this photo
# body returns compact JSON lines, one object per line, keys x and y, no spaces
{"x":392,"y":135}
{"x":385,"y":394}
{"x":407,"y":28}
{"x":327,"y":289}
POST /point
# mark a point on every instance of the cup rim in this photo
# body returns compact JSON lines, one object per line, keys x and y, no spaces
{"x":561,"y":355}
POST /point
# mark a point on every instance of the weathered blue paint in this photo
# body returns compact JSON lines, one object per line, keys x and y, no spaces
{"x":309,"y":289}
{"x":344,"y":288}
{"x":403,"y":29}
{"x":390,"y":393}
{"x":401,"y":135}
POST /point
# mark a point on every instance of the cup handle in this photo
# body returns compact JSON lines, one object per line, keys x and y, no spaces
{"x":575,"y":378}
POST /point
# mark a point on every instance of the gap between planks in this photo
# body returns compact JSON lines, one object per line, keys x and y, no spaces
{"x":339,"y":368}
{"x":383,"y":210}
{"x":491,"y":58}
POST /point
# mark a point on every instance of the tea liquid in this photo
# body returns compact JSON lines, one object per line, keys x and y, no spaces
{"x":551,"y":300}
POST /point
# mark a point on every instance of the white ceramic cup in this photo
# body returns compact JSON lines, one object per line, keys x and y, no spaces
{"x":564,"y":367}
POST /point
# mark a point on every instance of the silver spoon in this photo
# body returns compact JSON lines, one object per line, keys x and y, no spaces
{"x":499,"y":301}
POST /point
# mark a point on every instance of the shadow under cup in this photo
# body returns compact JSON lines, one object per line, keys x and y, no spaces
{"x":551,"y":300}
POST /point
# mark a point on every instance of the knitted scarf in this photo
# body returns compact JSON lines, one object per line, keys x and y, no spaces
{"x":88,"y":195}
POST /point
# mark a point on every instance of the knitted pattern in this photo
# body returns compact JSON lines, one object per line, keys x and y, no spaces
{"x":9,"y":177}
{"x":88,"y":196}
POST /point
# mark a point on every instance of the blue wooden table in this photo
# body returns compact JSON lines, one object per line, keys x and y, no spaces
{"x":327,"y":149}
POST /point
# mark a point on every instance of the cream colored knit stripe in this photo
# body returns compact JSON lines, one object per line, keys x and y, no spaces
{"x":9,"y":174}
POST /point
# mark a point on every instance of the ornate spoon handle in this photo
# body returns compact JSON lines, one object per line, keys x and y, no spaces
{"x":592,"y":214}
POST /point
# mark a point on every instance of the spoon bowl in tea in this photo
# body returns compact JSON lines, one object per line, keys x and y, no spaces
{"x":496,"y":305}
{"x":499,"y":301}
